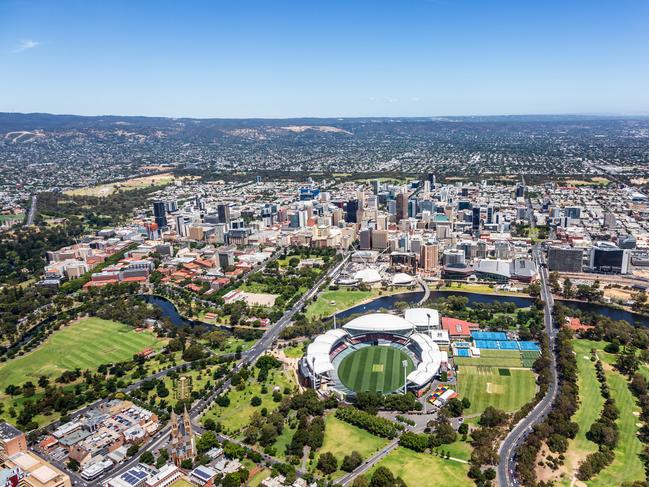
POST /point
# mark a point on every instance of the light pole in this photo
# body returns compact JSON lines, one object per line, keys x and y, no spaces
{"x":404,"y":364}
{"x":428,"y":314}
{"x":313,"y":372}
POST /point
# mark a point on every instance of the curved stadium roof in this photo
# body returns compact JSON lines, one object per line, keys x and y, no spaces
{"x":378,"y":322}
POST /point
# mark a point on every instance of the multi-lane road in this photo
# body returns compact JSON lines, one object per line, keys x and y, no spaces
{"x":509,"y":447}
{"x":248,"y":358}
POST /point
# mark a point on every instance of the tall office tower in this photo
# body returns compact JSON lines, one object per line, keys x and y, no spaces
{"x":454,"y":257}
{"x":366,"y":239}
{"x":609,"y":258}
{"x":490,"y":214}
{"x":402,"y":206}
{"x":565,"y":259}
{"x":520,"y":190}
{"x":610,"y":222}
{"x":200,"y":203}
{"x":412,"y":208}
{"x":481,"y":249}
{"x":223,"y":211}
{"x":159,"y":214}
{"x":376,"y":186}
{"x":431,"y":179}
{"x":572,"y":212}
{"x":426,"y":189}
{"x":181,"y":226}
{"x":336,"y":216}
{"x":475,"y":218}
{"x":351,"y":211}
{"x":392,"y":207}
{"x":429,"y":256}
{"x":171,"y":206}
{"x":379,"y":239}
{"x":502,"y":250}
{"x":303,"y":217}
{"x":415,"y":245}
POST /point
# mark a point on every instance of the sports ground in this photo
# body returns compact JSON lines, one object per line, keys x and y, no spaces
{"x":85,"y":344}
{"x":374,"y":369}
{"x":504,"y":388}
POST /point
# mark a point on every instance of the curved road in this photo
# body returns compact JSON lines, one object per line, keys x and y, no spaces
{"x":509,"y":446}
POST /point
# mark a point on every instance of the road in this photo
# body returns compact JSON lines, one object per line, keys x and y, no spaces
{"x":32,"y":212}
{"x":248,"y":358}
{"x":426,"y":287}
{"x":515,"y":438}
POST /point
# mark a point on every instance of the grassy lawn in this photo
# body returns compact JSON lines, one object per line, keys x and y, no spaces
{"x":374,"y":369}
{"x":258,"y":478}
{"x":85,"y":344}
{"x":282,"y":441}
{"x":425,"y":470}
{"x":488,"y":386}
{"x":342,"y":438}
{"x":590,"y":405}
{"x":492,"y":358}
{"x":294,"y":352}
{"x":342,"y":300}
{"x":235,"y":417}
{"x":477,"y":288}
{"x":627,"y":466}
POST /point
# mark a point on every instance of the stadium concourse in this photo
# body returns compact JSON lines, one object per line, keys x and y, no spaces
{"x":378,"y":352}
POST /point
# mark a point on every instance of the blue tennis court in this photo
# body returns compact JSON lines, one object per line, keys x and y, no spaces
{"x":489,"y":335}
{"x":507,"y":345}
{"x":462,"y":352}
{"x":461,"y":345}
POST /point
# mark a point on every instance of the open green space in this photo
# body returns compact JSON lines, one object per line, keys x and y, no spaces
{"x":294,"y":352}
{"x":506,"y":389}
{"x":85,"y":344}
{"x":590,"y":405}
{"x":627,"y":465}
{"x":492,"y":358}
{"x":374,"y":369}
{"x":330,"y":302}
{"x":342,"y":438}
{"x":237,"y":415}
{"x":425,"y":470}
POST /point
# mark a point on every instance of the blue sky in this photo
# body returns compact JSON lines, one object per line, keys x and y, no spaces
{"x":279,"y":58}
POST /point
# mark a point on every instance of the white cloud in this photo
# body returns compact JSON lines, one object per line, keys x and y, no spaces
{"x":26,"y":45}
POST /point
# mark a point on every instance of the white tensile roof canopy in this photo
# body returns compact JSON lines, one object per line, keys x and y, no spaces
{"x":378,"y":322}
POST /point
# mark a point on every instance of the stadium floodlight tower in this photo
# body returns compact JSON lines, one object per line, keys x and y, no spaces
{"x":313,"y":372}
{"x":404,"y":364}
{"x":428,"y":314}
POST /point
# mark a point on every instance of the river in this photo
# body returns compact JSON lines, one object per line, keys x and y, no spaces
{"x":388,"y":303}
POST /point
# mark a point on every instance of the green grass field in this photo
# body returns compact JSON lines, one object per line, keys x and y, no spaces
{"x":492,"y":358}
{"x":85,"y":344}
{"x":490,"y":386}
{"x":342,"y":438}
{"x":235,"y":417}
{"x":342,"y":299}
{"x":627,"y":466}
{"x":374,"y":369}
{"x":425,"y":470}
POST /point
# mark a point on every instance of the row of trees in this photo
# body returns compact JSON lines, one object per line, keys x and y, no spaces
{"x":603,"y":432}
{"x":557,"y":428}
{"x":374,"y":424}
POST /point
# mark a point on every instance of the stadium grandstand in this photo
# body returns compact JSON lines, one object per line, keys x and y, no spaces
{"x":377,"y":352}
